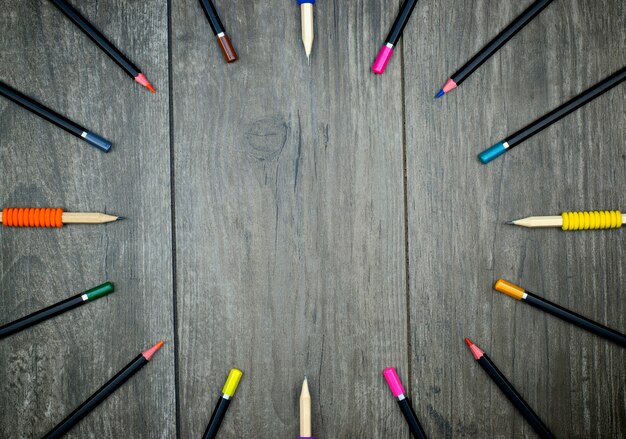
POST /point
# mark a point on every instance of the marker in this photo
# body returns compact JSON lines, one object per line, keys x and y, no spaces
{"x":594,"y":220}
{"x":494,"y":45}
{"x":228,"y":51}
{"x":555,"y":115}
{"x":509,"y":391}
{"x":405,"y":405}
{"x":101,"y":41}
{"x":394,"y":35}
{"x":54,"y":117}
{"x":103,"y":392}
{"x":56,"y":309}
{"x":228,"y":391}
{"x":521,"y":294}
{"x":47,"y":217}
{"x":306,"y":19}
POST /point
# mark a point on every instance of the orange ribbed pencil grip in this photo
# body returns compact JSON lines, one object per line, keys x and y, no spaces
{"x":32,"y":217}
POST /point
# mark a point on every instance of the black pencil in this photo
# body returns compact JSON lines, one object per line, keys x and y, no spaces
{"x":103,"y":392}
{"x":56,"y":309}
{"x":394,"y":35}
{"x":230,"y":55}
{"x":54,"y":117}
{"x":228,"y":391}
{"x":555,"y":115}
{"x":104,"y":44}
{"x":508,"y":389}
{"x":494,"y":45}
{"x":519,"y":293}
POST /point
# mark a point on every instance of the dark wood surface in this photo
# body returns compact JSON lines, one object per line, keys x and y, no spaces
{"x":292,"y":219}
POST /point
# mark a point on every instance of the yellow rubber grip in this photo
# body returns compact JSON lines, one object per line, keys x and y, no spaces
{"x":594,"y":220}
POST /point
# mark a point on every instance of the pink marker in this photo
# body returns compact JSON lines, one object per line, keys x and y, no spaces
{"x":394,"y":35}
{"x":398,"y":391}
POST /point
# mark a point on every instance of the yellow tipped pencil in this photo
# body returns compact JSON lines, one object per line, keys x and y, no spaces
{"x":522,"y":295}
{"x":593,"y":220}
{"x":47,"y":217}
{"x":228,"y":391}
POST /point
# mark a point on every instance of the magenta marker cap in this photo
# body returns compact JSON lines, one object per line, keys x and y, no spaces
{"x":394,"y":381}
{"x":382,"y":59}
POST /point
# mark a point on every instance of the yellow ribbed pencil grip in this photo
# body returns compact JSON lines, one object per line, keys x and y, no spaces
{"x":607,"y":219}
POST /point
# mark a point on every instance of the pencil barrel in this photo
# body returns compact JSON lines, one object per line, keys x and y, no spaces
{"x":216,"y":418}
{"x":576,"y":319}
{"x":411,"y":418}
{"x":212,"y":17}
{"x":401,"y":20}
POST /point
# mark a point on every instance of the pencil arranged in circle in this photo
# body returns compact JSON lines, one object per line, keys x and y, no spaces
{"x":54,"y":117}
{"x":405,"y":405}
{"x":306,"y":22}
{"x":521,"y":294}
{"x":51,"y":217}
{"x":218,"y":29}
{"x":306,"y":432}
{"x":228,"y":391}
{"x":56,"y":309}
{"x":384,"y":55}
{"x":555,"y":115}
{"x":508,"y":389}
{"x":493,"y":46}
{"x":592,"y":220}
{"x":103,"y":43}
{"x":103,"y":392}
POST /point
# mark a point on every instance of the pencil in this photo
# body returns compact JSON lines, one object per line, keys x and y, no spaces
{"x":555,"y":115}
{"x":230,"y":55}
{"x":593,"y":220}
{"x":56,"y":309}
{"x":103,"y":392}
{"x":493,"y":46}
{"x":228,"y":391}
{"x":306,"y":21}
{"x":51,"y":217}
{"x":54,"y":117}
{"x":509,"y":391}
{"x":384,"y":55}
{"x":405,"y":405}
{"x":101,"y":41}
{"x":305,"y":412}
{"x":521,"y":294}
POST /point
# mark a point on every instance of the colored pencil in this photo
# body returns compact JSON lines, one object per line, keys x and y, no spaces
{"x":384,"y":55}
{"x":103,"y":392}
{"x":104,"y":44}
{"x":56,"y":309}
{"x":405,"y":405}
{"x":47,"y":217}
{"x":593,"y":220}
{"x":508,"y":389}
{"x":306,"y":21}
{"x":521,"y":294}
{"x":305,"y":412}
{"x":555,"y":115}
{"x":54,"y":117}
{"x":228,"y":391}
{"x":230,"y":55}
{"x":493,"y":46}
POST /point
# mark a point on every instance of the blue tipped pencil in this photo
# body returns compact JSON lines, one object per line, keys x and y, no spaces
{"x":555,"y":115}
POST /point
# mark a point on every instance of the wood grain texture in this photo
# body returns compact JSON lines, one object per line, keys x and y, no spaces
{"x":48,"y":370}
{"x":459,"y":245}
{"x":289,"y":219}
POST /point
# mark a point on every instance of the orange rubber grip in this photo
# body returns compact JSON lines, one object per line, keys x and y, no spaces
{"x":32,"y":217}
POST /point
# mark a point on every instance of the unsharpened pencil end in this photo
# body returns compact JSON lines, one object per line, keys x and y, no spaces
{"x":492,"y":153}
{"x":232,"y":382}
{"x":509,"y":289}
{"x":382,"y":59}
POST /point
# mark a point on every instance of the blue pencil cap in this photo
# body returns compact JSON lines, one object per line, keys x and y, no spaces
{"x":491,"y":153}
{"x":97,"y":141}
{"x":306,"y":1}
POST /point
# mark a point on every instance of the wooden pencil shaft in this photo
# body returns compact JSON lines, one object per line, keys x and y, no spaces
{"x":305,"y":411}
{"x":41,"y":111}
{"x":500,"y":40}
{"x":306,"y":19}
{"x":101,"y":41}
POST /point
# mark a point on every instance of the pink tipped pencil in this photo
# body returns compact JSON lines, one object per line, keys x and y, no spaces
{"x":407,"y":410}
{"x":394,"y":35}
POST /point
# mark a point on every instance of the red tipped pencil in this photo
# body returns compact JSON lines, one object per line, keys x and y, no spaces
{"x":508,"y":389}
{"x":103,"y":392}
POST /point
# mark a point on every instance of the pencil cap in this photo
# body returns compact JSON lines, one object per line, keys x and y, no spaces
{"x":230,"y":386}
{"x":306,"y":1}
{"x":394,"y":381}
{"x":491,"y":153}
{"x":99,"y":291}
{"x":97,"y":141}
{"x":509,"y":289}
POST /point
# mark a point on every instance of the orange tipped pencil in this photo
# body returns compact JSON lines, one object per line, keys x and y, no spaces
{"x":51,"y":217}
{"x":103,"y":392}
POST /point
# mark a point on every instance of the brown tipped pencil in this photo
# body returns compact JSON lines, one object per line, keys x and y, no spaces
{"x":47,"y":217}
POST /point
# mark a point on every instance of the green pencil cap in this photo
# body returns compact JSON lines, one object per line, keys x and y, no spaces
{"x":99,"y":291}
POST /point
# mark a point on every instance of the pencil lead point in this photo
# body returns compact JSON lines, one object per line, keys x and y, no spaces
{"x":151,"y":88}
{"x":511,"y":222}
{"x":468,"y":342}
{"x":120,"y":218}
{"x":440,"y":94}
{"x":149,"y":353}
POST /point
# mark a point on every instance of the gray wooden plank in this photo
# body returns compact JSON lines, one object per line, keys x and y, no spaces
{"x":458,"y":244}
{"x":289,"y":219}
{"x":48,"y":370}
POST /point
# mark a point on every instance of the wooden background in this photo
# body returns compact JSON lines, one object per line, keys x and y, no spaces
{"x":292,"y":219}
